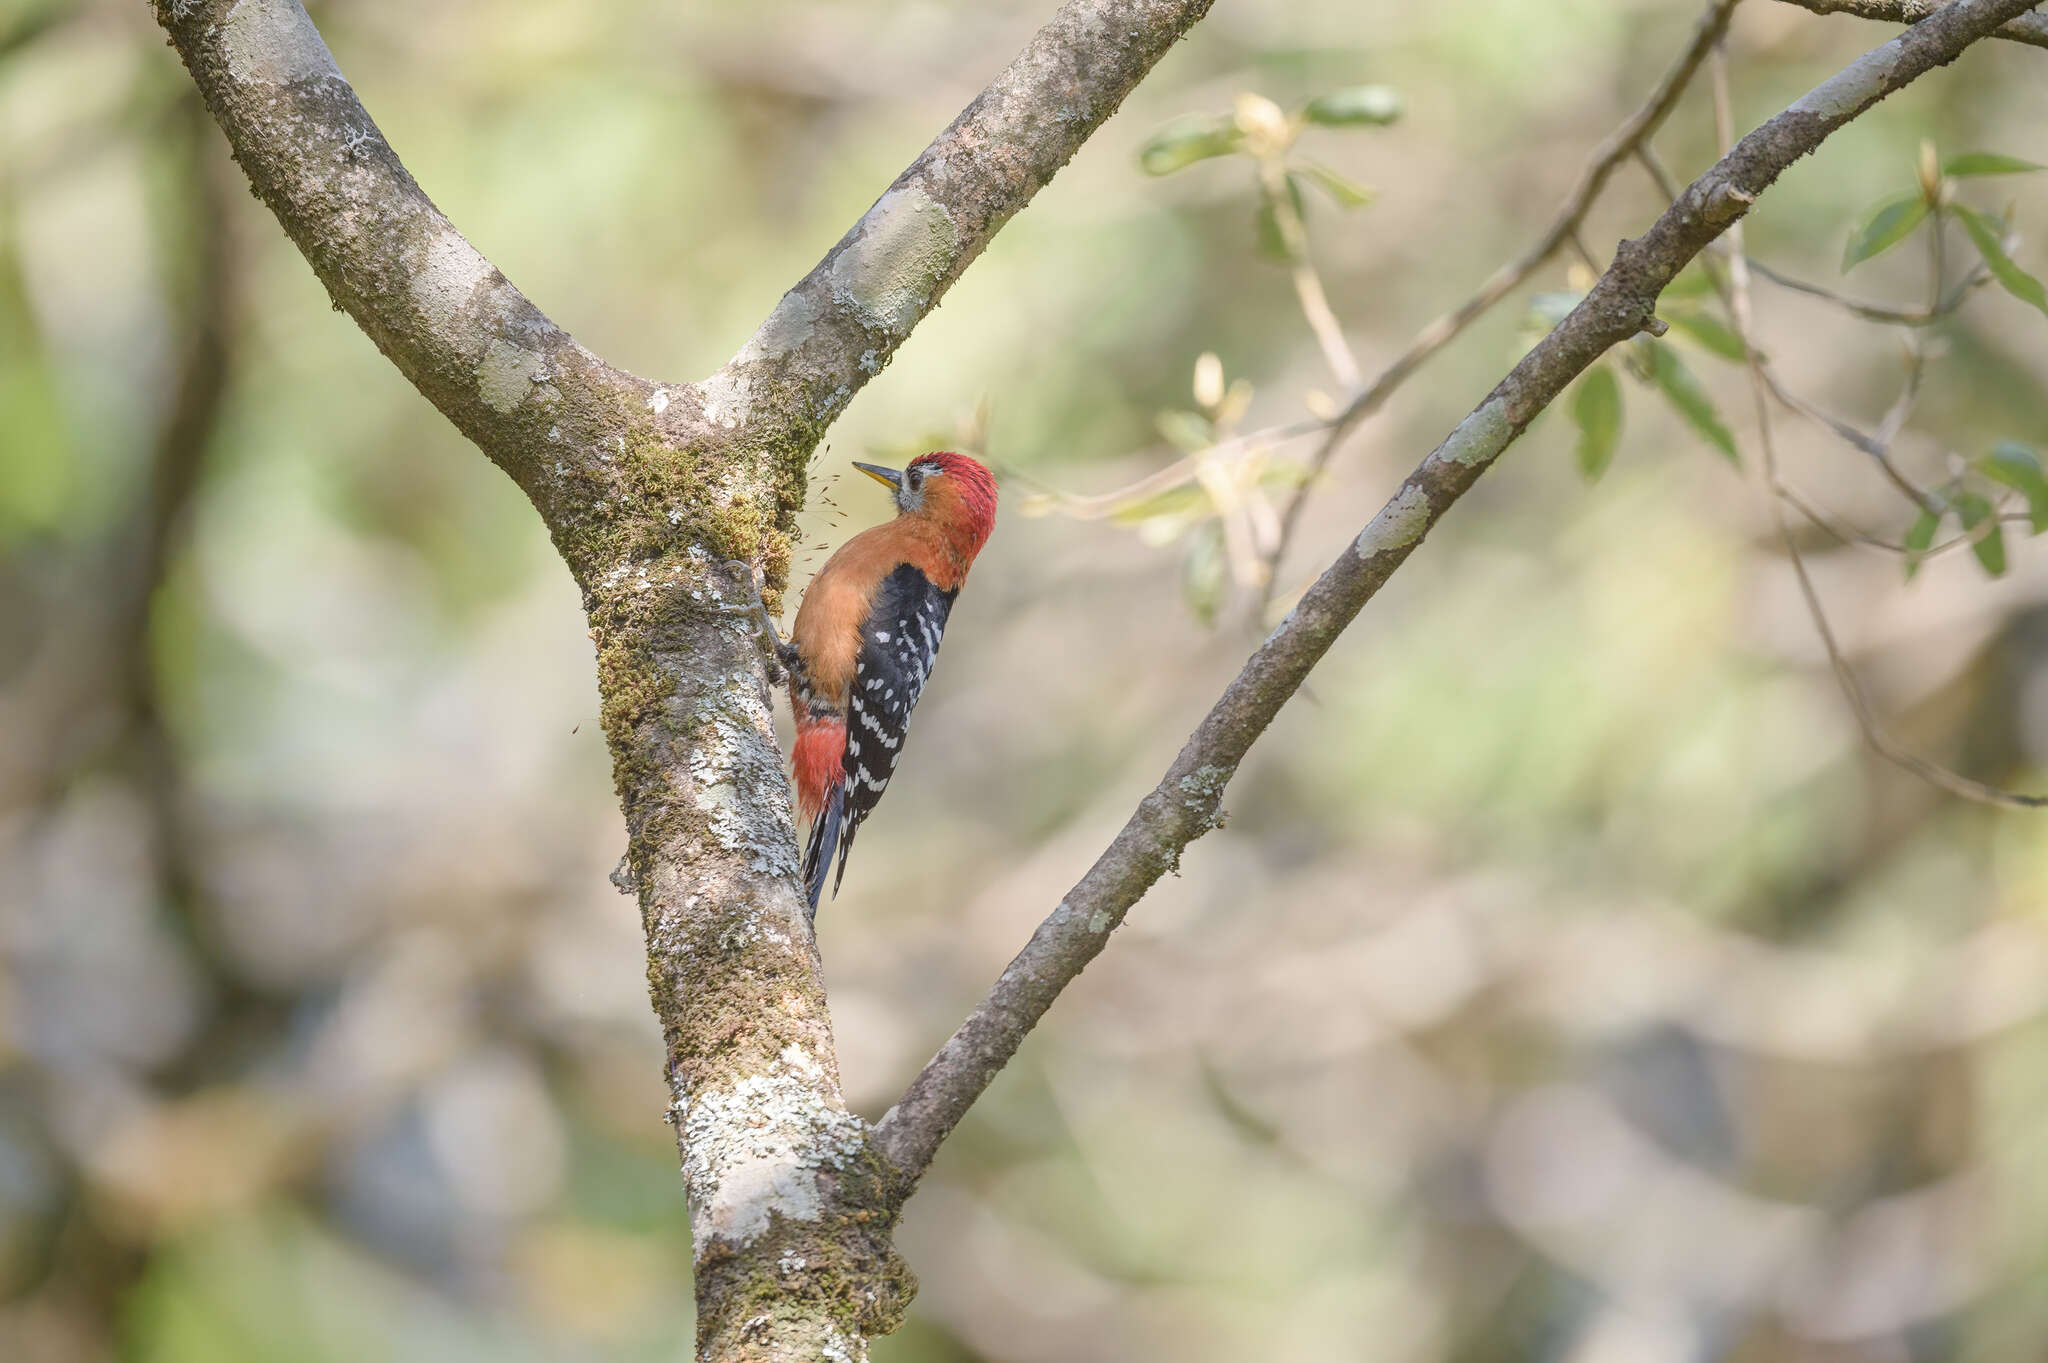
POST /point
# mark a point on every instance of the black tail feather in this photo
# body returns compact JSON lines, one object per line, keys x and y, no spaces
{"x":823,"y":842}
{"x":845,"y":846}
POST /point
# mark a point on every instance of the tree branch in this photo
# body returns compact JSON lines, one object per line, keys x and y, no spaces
{"x":836,"y":329}
{"x":1564,"y":226}
{"x":471,"y":343}
{"x":1187,"y":801}
{"x":2031,"y":29}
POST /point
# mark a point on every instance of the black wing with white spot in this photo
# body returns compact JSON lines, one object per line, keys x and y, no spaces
{"x":898,"y":646}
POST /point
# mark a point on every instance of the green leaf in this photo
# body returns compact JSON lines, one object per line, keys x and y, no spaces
{"x":1684,"y":392}
{"x":1346,"y":193}
{"x":2019,"y":468}
{"x":1639,"y":358}
{"x":1596,"y":407}
{"x":1709,"y":333}
{"x":1360,"y":106}
{"x":1203,"y":572}
{"x":1985,"y":232}
{"x":1186,"y":503}
{"x":1272,"y":244}
{"x":1187,"y":431}
{"x":1986,"y":163}
{"x":1888,"y":226}
{"x":1181,"y":143}
{"x":1989,"y":543}
{"x":1919,"y":538}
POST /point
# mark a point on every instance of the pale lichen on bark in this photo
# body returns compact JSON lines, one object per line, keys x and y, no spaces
{"x":889,"y":273}
{"x":757,"y":1149}
{"x":1399,"y":524}
{"x":1480,"y":437}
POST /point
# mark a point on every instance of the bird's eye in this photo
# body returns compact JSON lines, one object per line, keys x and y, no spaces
{"x":916,"y":479}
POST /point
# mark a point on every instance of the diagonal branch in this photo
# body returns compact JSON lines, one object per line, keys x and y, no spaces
{"x":1187,"y":802}
{"x":836,"y":329}
{"x":454,"y":326}
{"x":2027,"y":28}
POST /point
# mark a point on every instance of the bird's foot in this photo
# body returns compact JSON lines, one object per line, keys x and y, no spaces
{"x":778,"y":655}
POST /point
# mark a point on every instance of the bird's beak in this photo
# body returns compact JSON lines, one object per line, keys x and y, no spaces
{"x":893,"y":477}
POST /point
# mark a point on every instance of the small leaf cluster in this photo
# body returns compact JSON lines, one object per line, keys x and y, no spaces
{"x":1260,"y":129}
{"x":1976,"y":498}
{"x":1897,"y":218}
{"x":1217,"y":501}
{"x":1225,"y":513}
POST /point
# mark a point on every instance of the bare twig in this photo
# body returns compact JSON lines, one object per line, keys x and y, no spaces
{"x":1187,"y":801}
{"x":1942,"y":307}
{"x":1563,"y":229}
{"x":1761,"y":393}
{"x":1100,"y":506}
{"x":1874,"y":733}
{"x":2028,"y":28}
{"x":1308,"y":285}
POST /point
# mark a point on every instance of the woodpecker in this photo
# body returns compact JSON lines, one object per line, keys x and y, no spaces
{"x":864,"y":642}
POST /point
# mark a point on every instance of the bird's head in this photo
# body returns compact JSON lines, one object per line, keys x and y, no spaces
{"x":952,"y":492}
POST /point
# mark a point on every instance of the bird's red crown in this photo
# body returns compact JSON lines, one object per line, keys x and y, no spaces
{"x":964,"y":500}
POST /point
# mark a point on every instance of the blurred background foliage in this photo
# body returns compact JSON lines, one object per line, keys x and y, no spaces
{"x":1568,"y":984}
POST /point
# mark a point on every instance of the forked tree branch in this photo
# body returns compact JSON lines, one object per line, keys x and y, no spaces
{"x":1187,"y":802}
{"x":2027,"y":28}
{"x":647,"y":490}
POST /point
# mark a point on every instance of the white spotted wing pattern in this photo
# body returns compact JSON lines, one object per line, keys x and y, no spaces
{"x":899,"y":644}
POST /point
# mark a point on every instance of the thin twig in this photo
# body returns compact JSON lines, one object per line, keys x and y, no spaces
{"x":1101,"y":506}
{"x":1308,"y":285}
{"x":1563,"y":227}
{"x":1874,"y":733}
{"x":1878,"y":450}
{"x":1761,"y":394}
{"x":1943,"y":306}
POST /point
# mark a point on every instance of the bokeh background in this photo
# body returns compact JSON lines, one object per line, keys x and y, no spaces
{"x":1568,"y":984}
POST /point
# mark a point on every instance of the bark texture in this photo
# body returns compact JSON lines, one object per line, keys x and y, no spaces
{"x":2031,"y":29}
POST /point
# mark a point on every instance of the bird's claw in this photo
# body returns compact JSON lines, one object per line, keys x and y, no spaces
{"x":769,"y":640}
